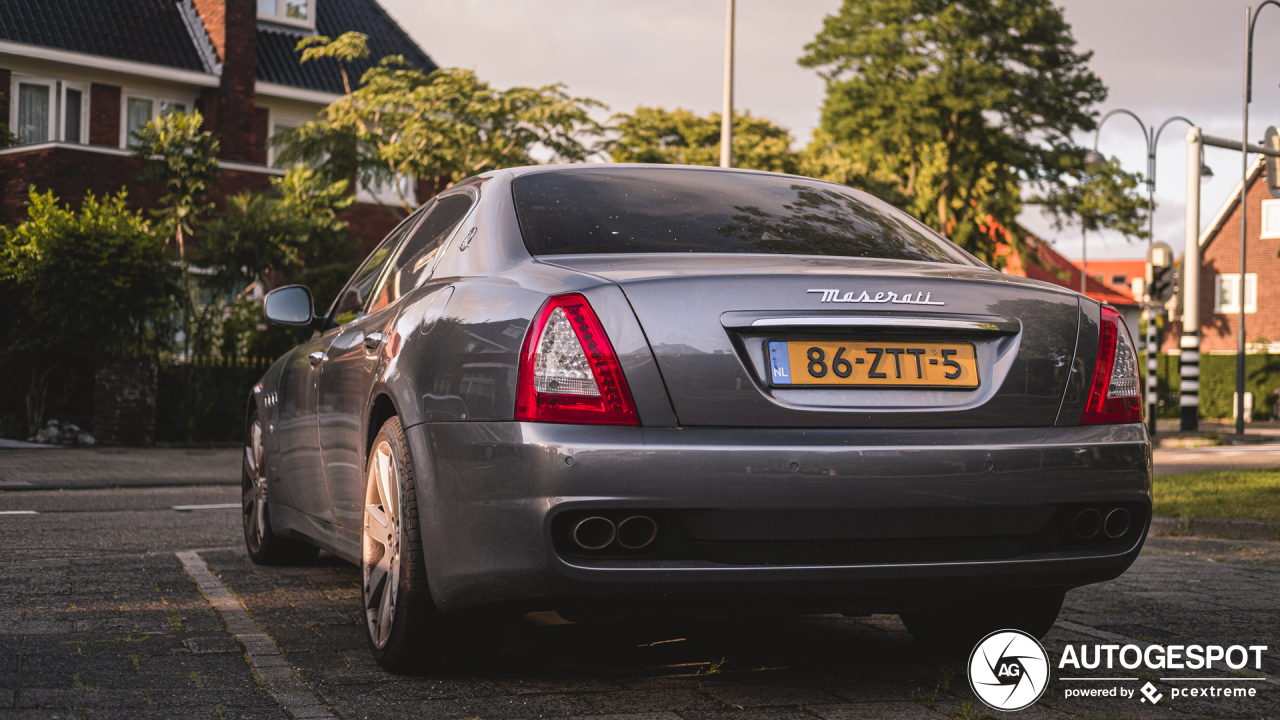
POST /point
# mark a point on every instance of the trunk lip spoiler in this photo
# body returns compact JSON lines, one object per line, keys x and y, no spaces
{"x":748,"y":320}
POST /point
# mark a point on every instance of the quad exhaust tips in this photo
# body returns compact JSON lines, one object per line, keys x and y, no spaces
{"x":1088,"y":523}
{"x":632,"y":533}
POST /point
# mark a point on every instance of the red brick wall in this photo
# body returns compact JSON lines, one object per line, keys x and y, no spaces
{"x":369,"y":223}
{"x":71,"y":173}
{"x":104,"y":115}
{"x":229,"y":109}
{"x":1222,"y":255}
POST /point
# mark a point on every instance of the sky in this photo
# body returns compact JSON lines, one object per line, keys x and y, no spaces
{"x":1159,"y":58}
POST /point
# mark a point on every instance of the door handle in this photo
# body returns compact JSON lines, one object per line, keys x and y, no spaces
{"x":316,"y":358}
{"x":372,"y":341}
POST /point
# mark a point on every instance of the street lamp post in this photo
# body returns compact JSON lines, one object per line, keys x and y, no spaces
{"x":1096,"y":158}
{"x":726,"y":112}
{"x":1250,"y":21}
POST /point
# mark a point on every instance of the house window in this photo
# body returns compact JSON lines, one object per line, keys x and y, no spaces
{"x":1119,"y":279}
{"x":140,"y":109}
{"x":1226,"y":293}
{"x":280,"y":125}
{"x":1270,"y":219}
{"x":289,"y":12}
{"x":48,"y":110}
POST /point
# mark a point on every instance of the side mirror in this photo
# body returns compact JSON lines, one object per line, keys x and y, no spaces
{"x":290,"y":305}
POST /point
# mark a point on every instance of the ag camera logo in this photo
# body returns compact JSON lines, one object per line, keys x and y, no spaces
{"x":1008,"y":670}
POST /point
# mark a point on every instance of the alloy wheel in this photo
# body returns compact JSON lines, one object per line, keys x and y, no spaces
{"x":381,"y":543}
{"x":254,"y":499}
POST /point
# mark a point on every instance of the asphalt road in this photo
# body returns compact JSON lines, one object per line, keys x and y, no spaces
{"x":114,"y":604}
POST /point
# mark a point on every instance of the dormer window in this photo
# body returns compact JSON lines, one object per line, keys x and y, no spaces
{"x":288,"y":12}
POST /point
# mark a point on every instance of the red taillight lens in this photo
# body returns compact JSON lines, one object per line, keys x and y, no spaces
{"x":1115,"y":395}
{"x":569,"y":372}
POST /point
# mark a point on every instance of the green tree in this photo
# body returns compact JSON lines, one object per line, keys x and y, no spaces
{"x":655,"y":135}
{"x":79,"y":286}
{"x":1103,"y":198}
{"x":949,"y":108}
{"x":449,"y":124}
{"x":175,"y":151}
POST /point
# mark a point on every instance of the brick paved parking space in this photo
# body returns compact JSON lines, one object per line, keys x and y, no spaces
{"x":112,"y":604}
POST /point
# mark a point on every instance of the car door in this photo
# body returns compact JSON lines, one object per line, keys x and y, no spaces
{"x":298,"y":481}
{"x":346,"y":385}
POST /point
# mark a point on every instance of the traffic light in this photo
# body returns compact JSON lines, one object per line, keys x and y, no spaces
{"x":1161,"y":283}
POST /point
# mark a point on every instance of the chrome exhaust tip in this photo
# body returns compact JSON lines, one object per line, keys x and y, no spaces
{"x":1086,"y":524}
{"x":1117,"y":523}
{"x":594,"y":533}
{"x":637,"y":531}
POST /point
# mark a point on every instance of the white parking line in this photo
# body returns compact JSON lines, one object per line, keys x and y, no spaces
{"x":294,"y":695}
{"x":18,"y":512}
{"x":219,"y":506}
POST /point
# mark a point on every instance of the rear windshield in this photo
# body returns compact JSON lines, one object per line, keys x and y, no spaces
{"x":677,"y":210}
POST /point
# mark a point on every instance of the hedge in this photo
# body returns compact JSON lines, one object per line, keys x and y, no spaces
{"x":1218,"y":384}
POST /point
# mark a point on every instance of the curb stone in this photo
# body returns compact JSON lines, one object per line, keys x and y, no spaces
{"x":1216,"y":527}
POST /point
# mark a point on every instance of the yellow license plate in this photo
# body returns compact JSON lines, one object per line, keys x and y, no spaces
{"x":894,"y":363}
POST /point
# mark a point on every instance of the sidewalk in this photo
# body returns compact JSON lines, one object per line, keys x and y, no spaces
{"x":85,"y":468}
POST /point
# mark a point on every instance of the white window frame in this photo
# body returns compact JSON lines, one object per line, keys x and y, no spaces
{"x":58,"y":98}
{"x":1270,"y":225}
{"x":156,"y":100}
{"x":84,"y":111}
{"x":281,"y":120}
{"x":1230,"y":305}
{"x":14,"y":98}
{"x":279,"y":15}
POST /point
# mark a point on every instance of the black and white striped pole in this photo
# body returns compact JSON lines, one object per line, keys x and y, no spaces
{"x":1189,"y":343}
{"x":1159,"y":290}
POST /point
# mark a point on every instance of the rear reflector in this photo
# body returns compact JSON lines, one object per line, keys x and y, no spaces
{"x":569,"y":372}
{"x":1114,"y":396}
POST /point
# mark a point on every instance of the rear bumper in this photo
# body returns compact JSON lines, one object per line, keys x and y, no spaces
{"x":490,"y":494}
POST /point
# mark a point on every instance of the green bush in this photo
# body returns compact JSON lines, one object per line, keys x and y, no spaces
{"x":1218,"y":384}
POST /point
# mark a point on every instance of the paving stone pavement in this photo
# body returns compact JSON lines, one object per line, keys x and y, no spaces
{"x":98,"y":633}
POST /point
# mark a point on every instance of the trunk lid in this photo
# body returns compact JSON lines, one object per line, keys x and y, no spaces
{"x":712,"y":319}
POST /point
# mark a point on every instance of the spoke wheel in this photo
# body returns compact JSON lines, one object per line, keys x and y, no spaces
{"x":254,"y":500}
{"x":264,"y":546}
{"x":381,"y":543}
{"x":406,"y":632}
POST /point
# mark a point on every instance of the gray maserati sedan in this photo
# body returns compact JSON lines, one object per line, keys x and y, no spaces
{"x":617,"y":390}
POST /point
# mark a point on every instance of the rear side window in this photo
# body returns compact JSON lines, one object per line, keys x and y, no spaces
{"x":679,"y":210}
{"x":415,"y":261}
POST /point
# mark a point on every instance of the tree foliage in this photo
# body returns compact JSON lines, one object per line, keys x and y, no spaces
{"x":80,"y":285}
{"x":948,"y":108}
{"x":656,"y":135}
{"x":176,"y":152}
{"x":1102,"y":198}
{"x":403,"y":122}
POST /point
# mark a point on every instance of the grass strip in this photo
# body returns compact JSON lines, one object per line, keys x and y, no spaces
{"x":1241,"y":494}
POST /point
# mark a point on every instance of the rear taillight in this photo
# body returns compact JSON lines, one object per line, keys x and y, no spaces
{"x":1114,"y":396}
{"x":569,"y":372}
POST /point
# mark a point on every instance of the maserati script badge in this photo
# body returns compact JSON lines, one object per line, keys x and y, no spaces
{"x":834,"y":296}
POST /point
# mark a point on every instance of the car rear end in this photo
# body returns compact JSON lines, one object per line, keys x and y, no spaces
{"x":764,"y":392}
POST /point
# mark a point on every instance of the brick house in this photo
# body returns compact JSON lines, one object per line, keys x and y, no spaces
{"x":1220,"y":275}
{"x":1128,"y":276}
{"x":77,"y":76}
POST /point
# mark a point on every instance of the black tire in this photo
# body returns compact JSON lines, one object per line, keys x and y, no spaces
{"x":959,"y":629}
{"x":394,"y":576}
{"x":264,"y":546}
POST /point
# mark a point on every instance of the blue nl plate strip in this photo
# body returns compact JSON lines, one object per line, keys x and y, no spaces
{"x":779,"y":363}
